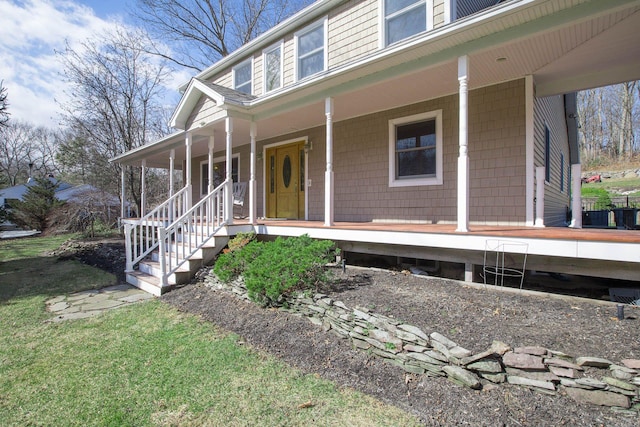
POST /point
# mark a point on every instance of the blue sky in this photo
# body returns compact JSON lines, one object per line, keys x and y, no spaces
{"x":30,"y":33}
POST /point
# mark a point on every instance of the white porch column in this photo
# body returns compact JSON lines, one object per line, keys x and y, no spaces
{"x":210,"y":166}
{"x":253,"y":194}
{"x":229,"y":190}
{"x":172,"y":160}
{"x":123,"y":193}
{"x":540,"y":176}
{"x":187,"y":183}
{"x":576,"y":196}
{"x":529,"y":150}
{"x":328,"y":175}
{"x":143,"y":188}
{"x":463,"y":157}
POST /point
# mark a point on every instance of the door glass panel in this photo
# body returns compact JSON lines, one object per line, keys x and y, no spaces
{"x":272,"y":175}
{"x":301,"y":169}
{"x":286,"y":171}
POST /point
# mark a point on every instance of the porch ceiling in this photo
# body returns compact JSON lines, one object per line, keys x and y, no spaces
{"x":583,"y":46}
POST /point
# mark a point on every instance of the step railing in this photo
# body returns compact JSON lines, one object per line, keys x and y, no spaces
{"x":141,"y":235}
{"x":187,"y":234}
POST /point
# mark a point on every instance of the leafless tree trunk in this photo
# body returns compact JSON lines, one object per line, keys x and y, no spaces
{"x":25,"y":149}
{"x":115,"y":99}
{"x":4,"y":105}
{"x":200,"y":32}
{"x":608,"y":119}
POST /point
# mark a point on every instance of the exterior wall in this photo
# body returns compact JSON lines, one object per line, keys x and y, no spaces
{"x":353,"y":31}
{"x":361,"y":164}
{"x":550,"y":112}
{"x":438,"y":13}
{"x":202,"y":111}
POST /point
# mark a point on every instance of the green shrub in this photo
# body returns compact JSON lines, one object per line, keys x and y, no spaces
{"x":603,"y":200}
{"x":240,"y":240}
{"x":233,"y":263}
{"x":274,"y":269}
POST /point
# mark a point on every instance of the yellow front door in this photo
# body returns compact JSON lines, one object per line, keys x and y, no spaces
{"x":285,"y":181}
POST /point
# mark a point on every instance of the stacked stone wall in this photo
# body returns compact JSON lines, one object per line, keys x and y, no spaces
{"x":591,"y":380}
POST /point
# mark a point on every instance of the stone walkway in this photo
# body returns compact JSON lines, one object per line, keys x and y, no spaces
{"x":94,"y":302}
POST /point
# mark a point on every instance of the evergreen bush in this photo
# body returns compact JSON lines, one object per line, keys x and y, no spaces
{"x":274,"y":269}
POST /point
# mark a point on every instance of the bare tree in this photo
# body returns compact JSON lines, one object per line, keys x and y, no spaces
{"x":201,"y":32}
{"x":4,"y":105}
{"x":115,"y":105}
{"x":609,"y":117}
{"x":26,"y":150}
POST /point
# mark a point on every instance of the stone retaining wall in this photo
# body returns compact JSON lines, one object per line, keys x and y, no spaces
{"x":586,"y":379}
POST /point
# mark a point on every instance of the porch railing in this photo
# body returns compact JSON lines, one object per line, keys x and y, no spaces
{"x":186,"y":235}
{"x":141,"y":237}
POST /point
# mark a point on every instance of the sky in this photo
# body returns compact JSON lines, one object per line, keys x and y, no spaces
{"x":31,"y":31}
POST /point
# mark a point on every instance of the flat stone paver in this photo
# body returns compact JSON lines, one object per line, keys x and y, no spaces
{"x":84,"y":304}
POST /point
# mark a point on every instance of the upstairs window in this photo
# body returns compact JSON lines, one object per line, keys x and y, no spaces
{"x":403,"y":19}
{"x":310,"y":50}
{"x":242,"y":77}
{"x":415,"y":150}
{"x":272,"y":68}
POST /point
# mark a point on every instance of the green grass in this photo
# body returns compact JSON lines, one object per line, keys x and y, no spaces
{"x":146,"y":364}
{"x":620,"y":184}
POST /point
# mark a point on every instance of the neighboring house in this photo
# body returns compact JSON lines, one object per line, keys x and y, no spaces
{"x":84,"y":194}
{"x":456,"y":113}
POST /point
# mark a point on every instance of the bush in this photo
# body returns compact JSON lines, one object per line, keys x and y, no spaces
{"x":603,"y":200}
{"x":274,"y":269}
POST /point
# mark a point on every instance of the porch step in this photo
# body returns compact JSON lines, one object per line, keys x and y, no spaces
{"x":147,"y":283}
{"x":148,"y":276}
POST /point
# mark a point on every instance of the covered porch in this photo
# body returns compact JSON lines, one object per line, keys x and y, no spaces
{"x":600,"y":46}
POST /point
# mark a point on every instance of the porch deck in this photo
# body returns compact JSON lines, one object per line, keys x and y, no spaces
{"x":609,"y":253}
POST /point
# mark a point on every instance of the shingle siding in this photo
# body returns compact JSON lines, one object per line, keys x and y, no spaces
{"x":549,"y":112}
{"x":361,"y":163}
{"x":353,"y":31}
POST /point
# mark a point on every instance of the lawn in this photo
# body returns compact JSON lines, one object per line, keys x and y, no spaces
{"x":145,"y":364}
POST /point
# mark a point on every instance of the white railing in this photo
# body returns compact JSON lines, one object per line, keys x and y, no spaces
{"x":186,"y":235}
{"x":141,"y":236}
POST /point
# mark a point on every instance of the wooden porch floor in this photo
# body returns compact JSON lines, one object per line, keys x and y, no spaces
{"x":515,"y":232}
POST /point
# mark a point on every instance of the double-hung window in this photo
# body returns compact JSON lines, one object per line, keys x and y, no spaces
{"x":415,"y":150}
{"x":403,"y":18}
{"x":242,"y":77}
{"x":311,"y":50}
{"x":272,"y":60}
{"x":219,"y":172}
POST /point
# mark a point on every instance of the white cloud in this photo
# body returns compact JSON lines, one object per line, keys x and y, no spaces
{"x":31,"y":32}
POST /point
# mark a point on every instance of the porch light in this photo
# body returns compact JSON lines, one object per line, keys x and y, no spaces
{"x":308,"y":146}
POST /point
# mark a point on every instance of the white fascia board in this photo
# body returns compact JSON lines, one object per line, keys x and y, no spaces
{"x":308,"y":14}
{"x":189,"y":100}
{"x":429,"y":38}
{"x":162,"y":144}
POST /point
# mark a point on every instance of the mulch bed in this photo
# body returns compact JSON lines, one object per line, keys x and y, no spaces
{"x":471,"y":316}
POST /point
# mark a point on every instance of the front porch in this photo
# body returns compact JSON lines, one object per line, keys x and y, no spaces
{"x":588,"y":252}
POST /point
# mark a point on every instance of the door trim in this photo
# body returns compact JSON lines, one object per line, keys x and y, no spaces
{"x":304,"y":139}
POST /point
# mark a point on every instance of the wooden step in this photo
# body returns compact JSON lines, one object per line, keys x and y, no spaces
{"x":147,"y":282}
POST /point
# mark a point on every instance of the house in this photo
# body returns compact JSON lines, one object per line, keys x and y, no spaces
{"x":84,"y":194}
{"x":417,"y":128}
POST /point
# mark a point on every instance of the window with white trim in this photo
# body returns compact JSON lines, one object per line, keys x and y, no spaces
{"x":272,"y":63}
{"x":415,"y":150}
{"x":242,"y":77}
{"x":219,"y":172}
{"x":310,"y":50}
{"x":403,"y":19}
